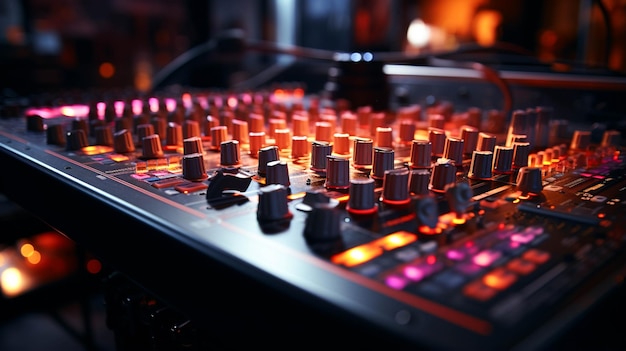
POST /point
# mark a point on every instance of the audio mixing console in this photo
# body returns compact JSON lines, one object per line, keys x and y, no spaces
{"x":272,"y":214}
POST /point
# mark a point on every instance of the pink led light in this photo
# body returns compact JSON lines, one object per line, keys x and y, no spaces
{"x":455,"y":255}
{"x":486,"y":258}
{"x":395,"y":282}
{"x":414,"y":273}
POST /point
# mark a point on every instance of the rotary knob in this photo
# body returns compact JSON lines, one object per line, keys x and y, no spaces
{"x":529,"y":180}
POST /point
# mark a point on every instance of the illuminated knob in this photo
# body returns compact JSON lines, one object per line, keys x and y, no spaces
{"x":256,"y":123}
{"x":151,"y":147}
{"x":469,"y":135}
{"x":76,"y":140}
{"x":486,"y":142}
{"x":503,"y":159}
{"x":257,"y":141}
{"x":300,"y":125}
{"x":323,"y":131}
{"x":348,"y":123}
{"x":104,"y":135}
{"x":611,"y":138}
{"x":299,"y":146}
{"x":319,"y":151}
{"x":218,"y":135}
{"x":418,"y":181}
{"x":174,"y":134}
{"x":384,"y":137}
{"x":266,"y":154}
{"x":362,"y":152}
{"x":341,"y":144}
{"x":240,"y":131}
{"x":444,"y":173}
{"x":337,"y":173}
{"x":190,"y":128}
{"x":277,"y":173}
{"x":454,"y":150}
{"x":193,"y":167}
{"x":421,"y":154}
{"x":437,"y":138}
{"x":123,"y":141}
{"x":396,"y":187}
{"x":229,"y":153}
{"x":362,"y":196}
{"x":580,"y":140}
{"x":273,"y":204}
{"x":383,"y":161}
{"x":323,"y":226}
{"x":192,"y":145}
{"x":209,"y":123}
{"x":407,"y":131}
{"x":436,"y":120}
{"x":529,"y":180}
{"x":480,"y":167}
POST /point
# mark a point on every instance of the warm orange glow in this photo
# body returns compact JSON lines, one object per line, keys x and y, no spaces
{"x":143,"y":76}
{"x":27,"y":250}
{"x":280,"y":94}
{"x":395,"y":240}
{"x":458,"y":221}
{"x":118,"y":158}
{"x":298,"y":93}
{"x":94,"y":266}
{"x":499,"y":278}
{"x":296,"y":195}
{"x":357,"y":255}
{"x":486,"y":27}
{"x":368,"y":251}
{"x":74,"y":110}
{"x":34,"y":258}
{"x":12,"y":281}
{"x":106,"y":70}
{"x":96,"y":150}
{"x":424,"y":229}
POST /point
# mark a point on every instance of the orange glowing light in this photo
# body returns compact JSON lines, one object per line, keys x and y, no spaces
{"x":424,"y":229}
{"x":395,"y":240}
{"x":296,"y":195}
{"x":457,"y":220}
{"x":280,"y":94}
{"x":357,"y":255}
{"x":34,"y":258}
{"x":106,"y":70}
{"x":118,"y":158}
{"x":27,"y":249}
{"x":96,"y":150}
{"x":499,"y":278}
{"x":12,"y":281}
{"x":298,"y":93}
{"x":486,"y":27}
{"x":601,"y":215}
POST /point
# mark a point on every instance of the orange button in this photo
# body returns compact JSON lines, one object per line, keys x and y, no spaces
{"x":190,"y":187}
{"x":168,"y":182}
{"x":537,"y":256}
{"x":499,"y":278}
{"x":521,"y":266}
{"x":479,"y":291}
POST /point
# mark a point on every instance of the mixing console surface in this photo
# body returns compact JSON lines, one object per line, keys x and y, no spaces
{"x":432,"y":227}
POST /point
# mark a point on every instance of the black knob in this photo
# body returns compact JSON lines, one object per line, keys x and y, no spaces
{"x":273,"y":204}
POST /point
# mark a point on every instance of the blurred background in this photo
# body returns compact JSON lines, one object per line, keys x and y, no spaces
{"x":48,"y":45}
